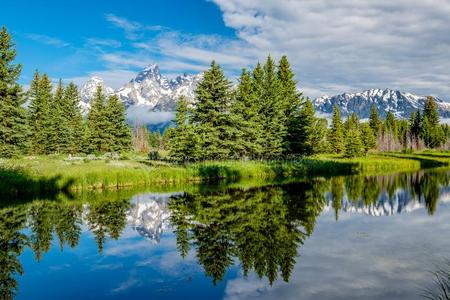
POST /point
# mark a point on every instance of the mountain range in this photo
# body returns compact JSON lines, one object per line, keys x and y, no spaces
{"x":150,"y":92}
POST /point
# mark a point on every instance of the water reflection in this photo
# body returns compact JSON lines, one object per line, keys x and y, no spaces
{"x":261,"y":229}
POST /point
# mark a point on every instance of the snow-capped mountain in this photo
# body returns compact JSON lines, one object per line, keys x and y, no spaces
{"x":87,"y":91}
{"x":148,"y":92}
{"x":149,"y":215}
{"x":155,"y":91}
{"x":401,"y":104}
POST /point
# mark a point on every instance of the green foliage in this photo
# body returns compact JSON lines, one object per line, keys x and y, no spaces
{"x":336,"y":134}
{"x":14,"y":129}
{"x":184,"y":142}
{"x":40,"y":95}
{"x":211,"y":114}
{"x":272,"y":112}
{"x":72,"y":112}
{"x":99,"y":139}
{"x":353,"y":143}
{"x":58,"y":127}
{"x":118,"y":128}
{"x":367,"y":137}
{"x":374,"y":120}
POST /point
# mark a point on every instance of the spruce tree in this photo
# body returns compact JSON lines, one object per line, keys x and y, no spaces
{"x":184,"y":142}
{"x":430,"y":111}
{"x":247,"y":119}
{"x":118,"y":128}
{"x":303,"y":131}
{"x":72,"y":111}
{"x":353,"y":143}
{"x":58,"y":129}
{"x":98,"y":124}
{"x":374,"y":120}
{"x":14,"y":131}
{"x":210,"y":115}
{"x":432,"y":132}
{"x":367,"y":137}
{"x":290,"y":97}
{"x":40,"y":95}
{"x":336,"y":136}
{"x":272,"y":115}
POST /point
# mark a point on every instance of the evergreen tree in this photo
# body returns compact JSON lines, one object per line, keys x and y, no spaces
{"x":72,"y":111}
{"x":100,"y":138}
{"x":211,"y":114}
{"x":416,"y":128}
{"x":118,"y":128}
{"x":374,"y":120}
{"x":353,"y":143}
{"x":40,"y":94}
{"x":367,"y":137}
{"x":389,"y":123}
{"x":290,"y":97}
{"x":184,"y":142}
{"x":246,"y":111}
{"x":58,"y":133}
{"x":430,"y":111}
{"x":272,"y":113}
{"x":14,"y":129}
{"x":336,"y":135}
{"x":302,"y":138}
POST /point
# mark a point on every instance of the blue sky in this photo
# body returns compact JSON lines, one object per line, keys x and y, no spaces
{"x":334,"y":47}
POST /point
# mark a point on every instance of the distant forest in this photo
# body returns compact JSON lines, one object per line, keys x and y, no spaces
{"x":263,"y":117}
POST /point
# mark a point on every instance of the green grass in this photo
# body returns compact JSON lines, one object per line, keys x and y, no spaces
{"x":43,"y":175}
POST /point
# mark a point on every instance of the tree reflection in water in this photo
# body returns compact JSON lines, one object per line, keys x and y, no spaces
{"x":260,"y":228}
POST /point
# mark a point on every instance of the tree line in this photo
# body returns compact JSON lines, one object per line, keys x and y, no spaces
{"x":46,"y":120}
{"x":265,"y":117}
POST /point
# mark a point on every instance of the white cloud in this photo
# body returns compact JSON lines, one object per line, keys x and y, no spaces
{"x":48,"y":40}
{"x":359,"y":44}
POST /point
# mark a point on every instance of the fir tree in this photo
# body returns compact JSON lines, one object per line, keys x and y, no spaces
{"x":353,"y":143}
{"x":40,"y":94}
{"x":290,"y":97}
{"x":184,"y":142}
{"x":367,"y":137}
{"x":118,"y":128}
{"x":246,"y":112}
{"x":336,"y":136}
{"x":211,"y":114}
{"x":304,"y":125}
{"x":58,"y":126}
{"x":72,"y":112}
{"x":271,"y":113}
{"x":14,"y":129}
{"x":374,"y":120}
{"x":98,"y":124}
{"x":430,"y":111}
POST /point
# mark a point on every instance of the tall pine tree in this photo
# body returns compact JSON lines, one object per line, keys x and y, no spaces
{"x":99,"y":138}
{"x":14,"y":129}
{"x":272,"y":114}
{"x":58,"y":130}
{"x":118,"y":128}
{"x":72,"y":112}
{"x":210,"y":115}
{"x":336,"y":135}
{"x":40,"y":95}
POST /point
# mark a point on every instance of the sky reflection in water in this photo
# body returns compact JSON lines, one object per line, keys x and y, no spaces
{"x":344,"y":238}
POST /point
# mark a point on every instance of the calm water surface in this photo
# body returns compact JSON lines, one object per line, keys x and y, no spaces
{"x":356,"y":237}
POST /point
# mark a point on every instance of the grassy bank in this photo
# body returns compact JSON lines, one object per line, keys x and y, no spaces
{"x":49,"y":175}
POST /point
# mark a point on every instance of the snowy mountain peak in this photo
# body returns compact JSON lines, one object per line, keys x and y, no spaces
{"x":401,"y":104}
{"x":148,"y":73}
{"x":87,"y":91}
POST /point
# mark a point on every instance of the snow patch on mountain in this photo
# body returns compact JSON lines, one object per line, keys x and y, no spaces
{"x":401,"y":104}
{"x":87,"y":91}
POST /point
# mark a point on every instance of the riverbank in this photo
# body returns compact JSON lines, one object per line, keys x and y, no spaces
{"x":40,"y":175}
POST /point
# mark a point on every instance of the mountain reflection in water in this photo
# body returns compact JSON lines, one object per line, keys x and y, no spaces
{"x":261,"y":229}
